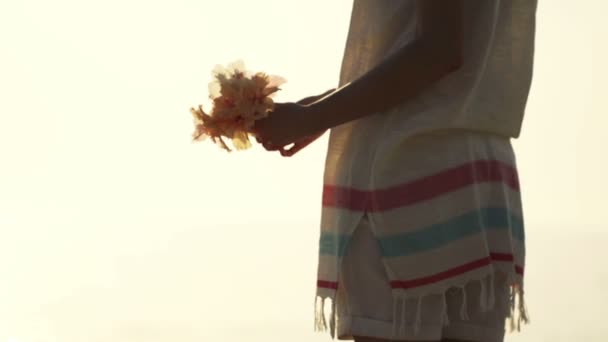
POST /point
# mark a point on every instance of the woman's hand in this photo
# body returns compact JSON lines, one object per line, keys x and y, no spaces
{"x":299,"y":145}
{"x":287,"y":124}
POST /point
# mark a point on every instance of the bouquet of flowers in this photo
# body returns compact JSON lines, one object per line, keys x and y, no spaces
{"x":239,"y":99}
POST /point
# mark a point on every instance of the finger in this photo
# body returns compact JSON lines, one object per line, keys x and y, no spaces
{"x":293,"y":150}
{"x":271,"y":147}
{"x":289,"y":153}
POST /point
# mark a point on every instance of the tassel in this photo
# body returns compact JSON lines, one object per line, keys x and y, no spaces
{"x":523,"y":312}
{"x":418,"y":319}
{"x":491,"y":298}
{"x":523,"y":309}
{"x":395,"y":319}
{"x":512,"y":307}
{"x":320,"y":322}
{"x":483,"y":297}
{"x":403,"y":316}
{"x":446,"y":318}
{"x":463,"y":309}
{"x":332,"y":319}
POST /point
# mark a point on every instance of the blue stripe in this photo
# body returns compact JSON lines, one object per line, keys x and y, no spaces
{"x":436,"y":235}
{"x":333,"y":244}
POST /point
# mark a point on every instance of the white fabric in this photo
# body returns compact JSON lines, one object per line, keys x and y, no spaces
{"x":365,"y":305}
{"x":487,"y":94}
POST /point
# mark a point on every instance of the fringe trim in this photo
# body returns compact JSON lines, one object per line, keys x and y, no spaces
{"x":518,"y":312}
{"x":464,"y":314}
{"x":483,"y":296}
{"x":444,"y":311}
{"x":400,"y":322}
{"x":320,"y":316}
{"x":320,"y":321}
{"x":491,"y":295}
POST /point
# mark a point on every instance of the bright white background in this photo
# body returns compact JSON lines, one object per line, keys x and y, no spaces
{"x":115,"y":227}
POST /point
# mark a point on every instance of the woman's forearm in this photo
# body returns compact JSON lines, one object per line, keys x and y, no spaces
{"x":397,"y":79}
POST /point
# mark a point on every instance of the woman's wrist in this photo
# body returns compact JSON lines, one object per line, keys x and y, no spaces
{"x":315,"y":120}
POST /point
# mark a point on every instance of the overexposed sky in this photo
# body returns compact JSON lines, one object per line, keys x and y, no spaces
{"x":115,"y":227}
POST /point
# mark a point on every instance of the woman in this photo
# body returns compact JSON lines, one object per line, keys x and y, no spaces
{"x":422,"y":234}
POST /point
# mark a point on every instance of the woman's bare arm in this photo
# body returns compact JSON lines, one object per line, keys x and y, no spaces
{"x":408,"y":72}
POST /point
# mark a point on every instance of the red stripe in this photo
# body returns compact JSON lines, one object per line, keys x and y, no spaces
{"x":501,"y":257}
{"x":347,"y":198}
{"x":327,"y":284}
{"x":408,"y":284}
{"x":481,"y":171}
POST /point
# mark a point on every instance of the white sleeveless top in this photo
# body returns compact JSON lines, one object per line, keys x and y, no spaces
{"x":488,"y":94}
